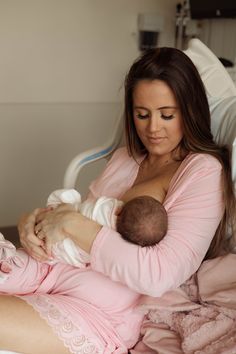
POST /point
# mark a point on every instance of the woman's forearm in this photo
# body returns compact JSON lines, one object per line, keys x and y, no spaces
{"x":81,"y":230}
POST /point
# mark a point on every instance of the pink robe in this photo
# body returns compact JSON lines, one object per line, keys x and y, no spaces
{"x":90,"y":309}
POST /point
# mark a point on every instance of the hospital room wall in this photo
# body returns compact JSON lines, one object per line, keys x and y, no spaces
{"x":219,"y":35}
{"x":61,"y":71}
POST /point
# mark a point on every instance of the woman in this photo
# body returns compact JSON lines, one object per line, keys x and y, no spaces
{"x":170,"y":144}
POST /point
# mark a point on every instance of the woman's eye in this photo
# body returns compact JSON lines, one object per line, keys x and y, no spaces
{"x":167,"y":117}
{"x":142,"y":116}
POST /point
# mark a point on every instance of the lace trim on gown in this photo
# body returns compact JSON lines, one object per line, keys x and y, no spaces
{"x":72,"y":336}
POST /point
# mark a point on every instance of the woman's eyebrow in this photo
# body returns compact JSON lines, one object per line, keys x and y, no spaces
{"x":166,"y":107}
{"x":162,"y":107}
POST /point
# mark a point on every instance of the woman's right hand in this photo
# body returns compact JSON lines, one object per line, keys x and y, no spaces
{"x":31,"y":243}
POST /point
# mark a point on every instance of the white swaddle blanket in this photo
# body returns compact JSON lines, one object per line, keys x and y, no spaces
{"x":103,"y":210}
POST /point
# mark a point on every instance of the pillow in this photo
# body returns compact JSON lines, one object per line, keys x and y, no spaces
{"x":217,"y":80}
{"x":221,"y":92}
{"x":223,"y":124}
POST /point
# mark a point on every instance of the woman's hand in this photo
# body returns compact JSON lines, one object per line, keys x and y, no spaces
{"x":31,"y":243}
{"x":50,"y":225}
{"x":55,"y":225}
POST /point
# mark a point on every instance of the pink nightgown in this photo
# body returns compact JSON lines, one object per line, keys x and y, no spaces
{"x":88,"y":310}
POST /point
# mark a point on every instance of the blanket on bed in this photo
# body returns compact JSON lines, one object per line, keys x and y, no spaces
{"x":199,"y":317}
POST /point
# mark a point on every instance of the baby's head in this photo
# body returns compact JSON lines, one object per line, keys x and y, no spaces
{"x":143,"y":221}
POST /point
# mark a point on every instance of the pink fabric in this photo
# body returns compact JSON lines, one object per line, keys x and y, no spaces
{"x":105,"y":322}
{"x":7,"y":251}
{"x":199,"y":317}
{"x":109,"y":322}
{"x":194,"y":206}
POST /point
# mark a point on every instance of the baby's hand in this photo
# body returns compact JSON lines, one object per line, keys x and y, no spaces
{"x":5,"y":267}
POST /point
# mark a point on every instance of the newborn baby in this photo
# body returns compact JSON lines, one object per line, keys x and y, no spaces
{"x":141,"y":220}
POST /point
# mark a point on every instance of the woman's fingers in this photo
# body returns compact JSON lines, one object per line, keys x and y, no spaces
{"x":41,"y":229}
{"x":48,"y":249}
{"x":37,"y":252}
{"x":37,"y":230}
{"x":34,"y":239}
{"x":40,"y":214}
{"x":31,"y":243}
{"x":40,"y":254}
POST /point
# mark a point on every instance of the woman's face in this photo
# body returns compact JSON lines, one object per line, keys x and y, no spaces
{"x":157,"y":117}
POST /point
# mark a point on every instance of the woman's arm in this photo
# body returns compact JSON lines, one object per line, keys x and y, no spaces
{"x":55,"y":225}
{"x":42,"y":228}
{"x":83,"y":235}
{"x":195,"y":207}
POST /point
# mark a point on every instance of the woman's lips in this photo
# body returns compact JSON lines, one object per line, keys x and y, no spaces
{"x":156,"y":140}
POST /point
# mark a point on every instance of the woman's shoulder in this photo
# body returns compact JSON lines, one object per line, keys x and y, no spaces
{"x":198,"y":172}
{"x":121,"y":153}
{"x":121,"y":156}
{"x":201,"y":161}
{"x":196,"y":166}
{"x":118,"y":158}
{"x":113,"y":181}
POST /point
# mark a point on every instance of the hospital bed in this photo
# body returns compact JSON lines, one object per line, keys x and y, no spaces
{"x":221,"y":93}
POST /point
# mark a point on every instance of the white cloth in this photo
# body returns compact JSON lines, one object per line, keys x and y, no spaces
{"x":221,"y":92}
{"x":223,"y":125}
{"x":103,"y":211}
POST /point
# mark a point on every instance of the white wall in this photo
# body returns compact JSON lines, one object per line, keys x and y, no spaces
{"x":71,"y":50}
{"x":62,"y":64}
{"x":220,"y":36}
{"x":38,"y":141}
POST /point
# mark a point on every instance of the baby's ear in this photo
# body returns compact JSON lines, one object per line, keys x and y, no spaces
{"x":118,"y":210}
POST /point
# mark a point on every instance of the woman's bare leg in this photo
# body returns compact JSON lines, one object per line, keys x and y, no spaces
{"x":24,"y":331}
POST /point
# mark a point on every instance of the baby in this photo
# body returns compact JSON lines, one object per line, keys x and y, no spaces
{"x":141,"y":220}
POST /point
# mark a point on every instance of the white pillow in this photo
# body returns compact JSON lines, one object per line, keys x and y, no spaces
{"x":221,"y":92}
{"x":223,"y":124}
{"x":217,"y":80}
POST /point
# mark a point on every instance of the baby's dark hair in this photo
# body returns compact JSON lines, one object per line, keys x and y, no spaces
{"x":143,"y":221}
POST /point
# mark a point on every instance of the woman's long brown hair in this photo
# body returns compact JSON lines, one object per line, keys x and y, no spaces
{"x":177,"y":70}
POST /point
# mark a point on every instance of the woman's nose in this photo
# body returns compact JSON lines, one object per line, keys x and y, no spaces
{"x":154,"y":123}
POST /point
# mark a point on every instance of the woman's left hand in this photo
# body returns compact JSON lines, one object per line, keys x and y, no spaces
{"x":50,"y":225}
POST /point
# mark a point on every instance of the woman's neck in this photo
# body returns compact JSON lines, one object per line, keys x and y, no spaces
{"x":157,"y":161}
{"x":164,"y":160}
